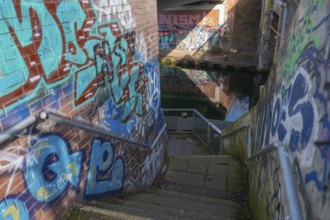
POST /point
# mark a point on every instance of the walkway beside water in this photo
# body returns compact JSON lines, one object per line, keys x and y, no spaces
{"x":225,"y":59}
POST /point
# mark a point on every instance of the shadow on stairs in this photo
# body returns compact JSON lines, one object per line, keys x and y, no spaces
{"x":195,"y":187}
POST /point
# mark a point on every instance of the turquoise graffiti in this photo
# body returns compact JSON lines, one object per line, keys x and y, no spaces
{"x":121,"y":76}
{"x":49,"y":168}
{"x":13,"y":209}
{"x":45,"y":46}
{"x":106,"y":173}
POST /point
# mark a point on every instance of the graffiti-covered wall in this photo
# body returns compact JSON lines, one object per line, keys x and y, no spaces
{"x":190,"y":82}
{"x":198,"y":28}
{"x":94,"y":61}
{"x":294,"y":109}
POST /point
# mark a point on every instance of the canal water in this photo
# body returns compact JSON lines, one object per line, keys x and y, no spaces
{"x":218,"y":94}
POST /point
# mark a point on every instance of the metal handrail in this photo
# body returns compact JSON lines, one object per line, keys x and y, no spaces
{"x":76,"y":124}
{"x":6,"y":135}
{"x":246,"y":126}
{"x":158,"y":136}
{"x":286,"y":169}
{"x":16,"y":129}
{"x":289,"y":185}
{"x":234,"y":131}
{"x":197,"y":113}
{"x":198,"y":125}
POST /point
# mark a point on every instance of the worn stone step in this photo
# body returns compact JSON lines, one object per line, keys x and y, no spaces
{"x":206,"y":209}
{"x":215,"y":176}
{"x":85,"y":212}
{"x":198,"y":191}
{"x":133,"y":211}
{"x":170,"y":208}
{"x":223,"y":159}
{"x":202,"y":199}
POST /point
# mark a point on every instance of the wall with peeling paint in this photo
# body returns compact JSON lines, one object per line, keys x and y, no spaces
{"x":95,"y":61}
{"x":294,"y":109}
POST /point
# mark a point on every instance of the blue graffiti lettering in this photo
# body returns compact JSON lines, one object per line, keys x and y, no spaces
{"x":13,"y":209}
{"x":313,"y":176}
{"x":105,"y":175}
{"x":49,"y":167}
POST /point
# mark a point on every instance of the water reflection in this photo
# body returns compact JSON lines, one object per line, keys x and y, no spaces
{"x":217,"y":94}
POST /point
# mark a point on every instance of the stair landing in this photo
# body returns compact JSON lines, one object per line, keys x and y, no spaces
{"x":212,"y":176}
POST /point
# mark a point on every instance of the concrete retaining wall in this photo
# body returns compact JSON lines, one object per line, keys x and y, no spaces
{"x":294,"y":109}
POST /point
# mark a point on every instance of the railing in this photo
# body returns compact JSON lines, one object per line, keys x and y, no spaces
{"x":286,"y":169}
{"x":289,"y":184}
{"x":16,"y":129}
{"x":11,"y":132}
{"x":249,"y":148}
{"x":191,"y":121}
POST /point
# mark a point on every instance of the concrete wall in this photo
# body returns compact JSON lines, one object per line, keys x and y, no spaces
{"x":197,"y":28}
{"x":276,"y":20}
{"x":91,"y":60}
{"x":294,"y":109}
{"x":244,"y":33}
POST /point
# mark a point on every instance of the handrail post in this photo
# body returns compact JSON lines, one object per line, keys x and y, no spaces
{"x":249,"y":148}
{"x":290,"y":190}
{"x":194,"y":122}
{"x":208,"y":134}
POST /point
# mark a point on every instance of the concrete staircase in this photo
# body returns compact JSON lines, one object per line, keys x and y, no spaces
{"x":194,"y":187}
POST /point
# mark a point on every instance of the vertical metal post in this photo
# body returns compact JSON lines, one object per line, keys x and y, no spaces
{"x":289,"y":185}
{"x":249,"y":142}
{"x":194,"y":123}
{"x":208,"y":134}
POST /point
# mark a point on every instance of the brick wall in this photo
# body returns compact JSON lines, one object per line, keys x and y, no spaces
{"x":91,"y":60}
{"x":192,"y":28}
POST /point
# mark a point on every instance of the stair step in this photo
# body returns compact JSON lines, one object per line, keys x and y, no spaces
{"x":225,"y":159}
{"x":169,"y":209}
{"x":197,"y":187}
{"x":188,"y":196}
{"x":217,"y":194}
{"x":212,"y":176}
{"x":85,"y":212}
{"x":190,"y":205}
{"x":131,"y":211}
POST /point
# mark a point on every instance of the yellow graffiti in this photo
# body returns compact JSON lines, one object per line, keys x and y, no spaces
{"x":68,"y":177}
{"x":42,"y":145}
{"x":43,"y":193}
{"x":73,"y":168}
{"x":11,"y":211}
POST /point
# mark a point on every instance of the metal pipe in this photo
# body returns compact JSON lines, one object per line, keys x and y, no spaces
{"x":197,"y":113}
{"x":234,"y":131}
{"x":263,"y":151}
{"x":249,"y":150}
{"x":289,"y":185}
{"x":158,"y":136}
{"x":15,"y":129}
{"x":291,"y":194}
{"x":76,"y":124}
